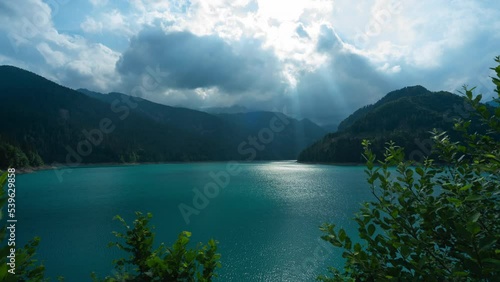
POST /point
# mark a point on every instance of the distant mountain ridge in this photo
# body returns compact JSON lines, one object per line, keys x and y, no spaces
{"x":234,"y":109}
{"x":391,"y":96}
{"x":236,"y":125}
{"x":405,"y":116}
{"x":51,"y":123}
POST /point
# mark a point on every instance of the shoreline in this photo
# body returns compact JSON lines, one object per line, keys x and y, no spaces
{"x":27,"y":170}
{"x":333,"y":163}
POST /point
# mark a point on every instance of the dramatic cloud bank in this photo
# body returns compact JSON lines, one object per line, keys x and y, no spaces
{"x":319,"y":59}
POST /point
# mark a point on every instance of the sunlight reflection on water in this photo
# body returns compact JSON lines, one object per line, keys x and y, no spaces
{"x":266,"y":219}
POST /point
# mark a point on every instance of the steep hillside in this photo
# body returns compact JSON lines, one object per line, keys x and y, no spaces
{"x":405,"y":116}
{"x":46,"y":122}
{"x":391,"y":96}
{"x":63,"y":125}
{"x":232,"y":130}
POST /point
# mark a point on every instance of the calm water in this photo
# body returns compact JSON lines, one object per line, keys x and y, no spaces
{"x":266,"y":218}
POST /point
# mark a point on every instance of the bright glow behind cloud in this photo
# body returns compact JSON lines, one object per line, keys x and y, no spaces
{"x":324,"y":57}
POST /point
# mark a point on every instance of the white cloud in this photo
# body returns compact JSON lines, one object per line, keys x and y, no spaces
{"x":112,"y":21}
{"x":52,"y":57}
{"x":90,"y":25}
{"x":96,"y":64}
{"x":402,"y":40}
{"x":66,"y":57}
{"x":412,"y":42}
{"x":387,"y":68}
{"x":282,"y":10}
{"x":428,"y":55}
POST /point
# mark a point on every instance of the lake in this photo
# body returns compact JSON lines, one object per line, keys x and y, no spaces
{"x":264,"y":214}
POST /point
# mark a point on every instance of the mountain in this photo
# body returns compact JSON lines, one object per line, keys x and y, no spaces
{"x":404,"y":116}
{"x":295,"y":136}
{"x":391,"y":96}
{"x":235,"y":109}
{"x":66,"y":126}
{"x":231,"y":129}
{"x":48,"y":123}
{"x":192,"y":121}
{"x":332,"y":127}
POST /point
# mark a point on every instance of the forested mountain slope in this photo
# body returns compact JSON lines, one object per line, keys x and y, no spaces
{"x":404,"y":116}
{"x":44,"y":122}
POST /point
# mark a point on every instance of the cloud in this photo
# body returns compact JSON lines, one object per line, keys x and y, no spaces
{"x":66,"y":58}
{"x":321,"y":58}
{"x":191,"y":62}
{"x":112,"y":21}
{"x":52,"y":57}
{"x":327,"y":39}
{"x":345,"y":82}
{"x":90,"y":25}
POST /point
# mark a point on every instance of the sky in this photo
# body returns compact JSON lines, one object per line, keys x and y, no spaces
{"x":316,"y":59}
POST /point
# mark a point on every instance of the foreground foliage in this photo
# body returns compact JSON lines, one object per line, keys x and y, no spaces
{"x":430,"y":222}
{"x":176,"y":263}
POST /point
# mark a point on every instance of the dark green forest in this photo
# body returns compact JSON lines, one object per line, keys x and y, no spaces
{"x":405,"y":116}
{"x":49,"y":123}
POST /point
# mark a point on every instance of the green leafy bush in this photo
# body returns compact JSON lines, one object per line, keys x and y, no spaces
{"x":430,"y":222}
{"x":176,"y":263}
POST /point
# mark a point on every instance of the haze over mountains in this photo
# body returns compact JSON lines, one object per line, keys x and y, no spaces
{"x":58,"y":124}
{"x":235,"y":109}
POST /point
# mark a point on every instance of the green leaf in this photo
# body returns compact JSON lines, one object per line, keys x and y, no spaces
{"x":357,"y":247}
{"x":492,"y":261}
{"x":348,"y":243}
{"x":342,"y":235}
{"x":475,"y":217}
{"x":466,"y":187}
{"x":487,"y":244}
{"x":3,"y":179}
{"x":394,"y":213}
{"x":455,"y":201}
{"x":371,"y":229}
{"x":460,"y":273}
{"x":419,"y":171}
{"x":473,"y":228}
{"x":405,"y":251}
{"x":473,"y":198}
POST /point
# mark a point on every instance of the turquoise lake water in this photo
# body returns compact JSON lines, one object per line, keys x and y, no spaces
{"x":264,"y":214}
